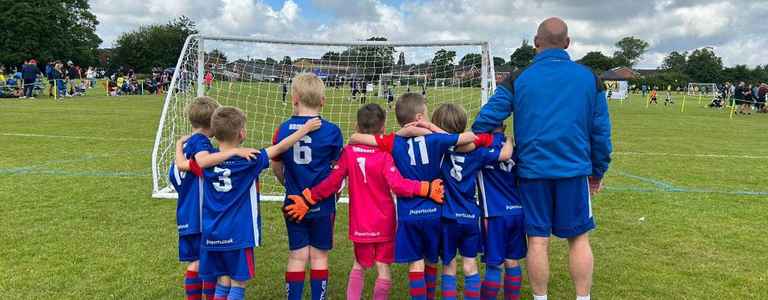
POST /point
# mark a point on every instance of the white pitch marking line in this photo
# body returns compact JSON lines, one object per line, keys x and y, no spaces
{"x":691,"y":155}
{"x":74,"y":137}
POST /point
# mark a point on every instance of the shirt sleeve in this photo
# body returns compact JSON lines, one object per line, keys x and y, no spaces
{"x":600,"y":136}
{"x":195,"y":168}
{"x":385,"y":142}
{"x":203,"y":144}
{"x":261,"y":162}
{"x":339,"y":143}
{"x":331,"y":184}
{"x":496,"y":110}
{"x":445,"y":141}
{"x":397,"y":183}
{"x":489,"y":155}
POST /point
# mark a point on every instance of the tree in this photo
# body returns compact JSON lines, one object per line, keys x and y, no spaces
{"x":401,"y":59}
{"x":48,"y":30}
{"x":371,"y":60}
{"x":631,"y":50}
{"x":286,"y":60}
{"x":331,"y":56}
{"x":704,"y":66}
{"x":443,"y":58}
{"x":498,"y":61}
{"x":216,"y":57}
{"x":523,"y":56}
{"x":471,"y":59}
{"x":597,"y":61}
{"x":151,"y":46}
{"x":675,"y":62}
{"x":270,"y":61}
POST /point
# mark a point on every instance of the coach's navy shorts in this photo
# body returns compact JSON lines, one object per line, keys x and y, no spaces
{"x":503,"y":238}
{"x":464,"y":237}
{"x":189,"y":247}
{"x":316,"y":232}
{"x":237,"y":264}
{"x":418,"y":239}
{"x":556,"y":206}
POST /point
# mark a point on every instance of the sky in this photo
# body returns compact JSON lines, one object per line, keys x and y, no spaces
{"x":736,"y":29}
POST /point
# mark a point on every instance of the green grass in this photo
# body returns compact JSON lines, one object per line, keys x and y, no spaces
{"x":78,"y":220}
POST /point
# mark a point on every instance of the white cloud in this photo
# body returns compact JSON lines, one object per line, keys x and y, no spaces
{"x":735,"y":28}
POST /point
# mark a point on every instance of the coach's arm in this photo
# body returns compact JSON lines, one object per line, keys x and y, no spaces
{"x":600,"y":135}
{"x":498,"y":108}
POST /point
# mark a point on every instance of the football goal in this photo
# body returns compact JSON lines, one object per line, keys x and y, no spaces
{"x":702,"y":89}
{"x":255,"y":76}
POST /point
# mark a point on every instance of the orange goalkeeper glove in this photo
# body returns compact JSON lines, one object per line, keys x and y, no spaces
{"x":433,"y":190}
{"x":300,"y":206}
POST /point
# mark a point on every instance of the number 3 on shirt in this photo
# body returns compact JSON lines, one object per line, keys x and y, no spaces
{"x":225,"y":183}
{"x":302,"y":154}
{"x":422,"y":150}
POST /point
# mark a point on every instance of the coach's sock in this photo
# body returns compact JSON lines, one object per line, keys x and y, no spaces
{"x":319,"y":281}
{"x":430,"y":278}
{"x":448,"y":286}
{"x":417,"y":286}
{"x":583,"y":297}
{"x":381,"y":289}
{"x":472,"y":287}
{"x":236,"y":293}
{"x":294,"y":285}
{"x":492,"y":283}
{"x":513,"y":280}
{"x":221,"y":293}
{"x":209,"y":288}
{"x":193,"y":286}
{"x":355,"y":284}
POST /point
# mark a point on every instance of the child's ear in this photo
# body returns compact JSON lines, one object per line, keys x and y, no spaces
{"x":322,"y":101}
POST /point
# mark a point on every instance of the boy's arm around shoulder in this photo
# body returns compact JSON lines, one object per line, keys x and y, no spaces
{"x":404,"y":187}
{"x":277,"y":149}
{"x":310,"y":197}
{"x":507,"y":150}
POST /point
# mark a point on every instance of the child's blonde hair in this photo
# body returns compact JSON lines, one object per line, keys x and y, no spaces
{"x":200,"y":111}
{"x":226,"y":123}
{"x":450,"y":117}
{"x":309,"y":89}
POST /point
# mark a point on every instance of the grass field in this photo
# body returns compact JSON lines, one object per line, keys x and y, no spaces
{"x":683,"y":215}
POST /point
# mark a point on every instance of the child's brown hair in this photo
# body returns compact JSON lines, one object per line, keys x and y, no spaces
{"x":450,"y":117}
{"x":408,"y":105}
{"x":200,"y":111}
{"x":226,"y":123}
{"x":370,"y":119}
{"x":309,"y":89}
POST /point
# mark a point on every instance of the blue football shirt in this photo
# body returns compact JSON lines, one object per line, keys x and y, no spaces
{"x":498,"y":185}
{"x":309,"y":161}
{"x":418,"y":158}
{"x":460,"y":174}
{"x":231,"y":218}
{"x":188,"y":186}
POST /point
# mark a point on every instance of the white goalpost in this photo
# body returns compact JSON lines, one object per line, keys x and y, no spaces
{"x":254,"y":75}
{"x":701,"y":89}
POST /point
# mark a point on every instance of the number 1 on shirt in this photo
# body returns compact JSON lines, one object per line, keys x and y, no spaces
{"x":422,"y":150}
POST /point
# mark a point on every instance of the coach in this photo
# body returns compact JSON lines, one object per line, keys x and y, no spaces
{"x":563,"y":137}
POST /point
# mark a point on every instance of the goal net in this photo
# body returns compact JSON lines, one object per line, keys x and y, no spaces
{"x":255,"y":76}
{"x":702,"y":89}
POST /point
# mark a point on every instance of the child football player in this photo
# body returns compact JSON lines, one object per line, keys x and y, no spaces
{"x":197,"y":147}
{"x":371,"y":177}
{"x":460,"y":227}
{"x":503,"y":230}
{"x":653,"y":97}
{"x":417,"y":237}
{"x":303,"y":166}
{"x":230,"y":215}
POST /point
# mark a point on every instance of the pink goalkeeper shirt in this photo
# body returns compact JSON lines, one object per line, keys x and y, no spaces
{"x":371,"y":176}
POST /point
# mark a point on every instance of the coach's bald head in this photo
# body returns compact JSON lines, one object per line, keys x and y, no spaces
{"x":552,"y":33}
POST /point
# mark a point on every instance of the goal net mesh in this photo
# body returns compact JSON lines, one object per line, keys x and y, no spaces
{"x":255,"y":76}
{"x":702,"y":89}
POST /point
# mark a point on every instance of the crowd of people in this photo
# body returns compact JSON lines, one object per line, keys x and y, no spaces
{"x":60,"y":79}
{"x":125,"y":82}
{"x":747,"y":97}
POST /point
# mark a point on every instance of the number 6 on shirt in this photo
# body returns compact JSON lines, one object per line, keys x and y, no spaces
{"x":302,"y":154}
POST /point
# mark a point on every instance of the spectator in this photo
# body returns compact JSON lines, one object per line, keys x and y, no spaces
{"x":72,"y":75}
{"x":90,"y":74}
{"x":762,"y":94}
{"x":59,"y":79}
{"x":29,"y":73}
{"x":49,"y":75}
{"x":739,"y":98}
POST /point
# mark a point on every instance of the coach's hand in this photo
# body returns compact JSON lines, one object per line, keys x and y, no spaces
{"x":432,"y":190}
{"x":300,"y":206}
{"x":595,"y":185}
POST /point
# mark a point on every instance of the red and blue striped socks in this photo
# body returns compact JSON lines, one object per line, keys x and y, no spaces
{"x":472,"y":287}
{"x":193,"y":286}
{"x":417,"y":286}
{"x":209,"y":288}
{"x":492,"y":282}
{"x":430,"y":278}
{"x":221,"y":293}
{"x":294,"y":285}
{"x":513,"y":280}
{"x":319,"y":283}
{"x":236,"y":293}
{"x":448,"y":286}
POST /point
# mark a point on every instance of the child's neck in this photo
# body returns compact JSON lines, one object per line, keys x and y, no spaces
{"x":204,"y":131}
{"x":303,"y":111}
{"x":224,"y":146}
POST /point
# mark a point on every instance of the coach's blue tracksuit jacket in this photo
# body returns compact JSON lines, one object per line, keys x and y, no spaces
{"x":561,"y":119}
